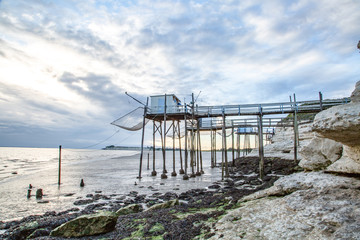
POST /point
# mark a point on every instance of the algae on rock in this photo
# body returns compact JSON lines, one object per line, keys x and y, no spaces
{"x":87,"y":225}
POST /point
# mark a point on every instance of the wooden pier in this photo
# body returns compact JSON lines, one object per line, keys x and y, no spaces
{"x":166,"y":112}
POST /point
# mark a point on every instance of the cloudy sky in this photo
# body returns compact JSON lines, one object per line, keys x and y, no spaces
{"x":65,"y":65}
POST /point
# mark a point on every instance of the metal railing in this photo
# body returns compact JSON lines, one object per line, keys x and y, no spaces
{"x":251,"y":109}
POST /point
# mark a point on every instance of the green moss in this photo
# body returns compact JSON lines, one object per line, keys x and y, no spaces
{"x":157,"y":229}
{"x":157,"y":238}
{"x":29,"y":226}
{"x":139,"y":232}
{"x":172,"y":211}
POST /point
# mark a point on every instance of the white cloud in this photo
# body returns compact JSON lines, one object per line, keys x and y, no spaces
{"x":79,"y":57}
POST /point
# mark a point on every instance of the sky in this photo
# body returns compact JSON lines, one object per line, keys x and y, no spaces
{"x":65,"y":65}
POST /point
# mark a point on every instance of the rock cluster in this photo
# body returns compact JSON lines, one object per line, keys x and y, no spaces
{"x":309,"y":205}
{"x":337,"y":145}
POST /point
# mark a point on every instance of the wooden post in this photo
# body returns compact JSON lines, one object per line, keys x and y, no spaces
{"x":181,"y":171}
{"x":173,"y":174}
{"x":232,"y":143}
{"x":198,"y":173}
{"x":192,"y":147}
{"x":261,"y":144}
{"x":59,"y":176}
{"x":163,"y":175}
{"x":225,"y":146}
{"x":321,"y":99}
{"x":201,"y":162}
{"x":142,"y":138}
{"x":296,"y":137}
{"x":238,"y":145}
{"x":186,"y":177}
{"x":148,"y":163}
{"x":215,"y":151}
{"x":153,"y":173}
{"x":211,"y":146}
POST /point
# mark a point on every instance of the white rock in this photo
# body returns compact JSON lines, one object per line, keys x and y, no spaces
{"x":320,"y":153}
{"x":355,"y":95}
{"x":340,"y":123}
{"x":346,"y":164}
{"x":321,"y":206}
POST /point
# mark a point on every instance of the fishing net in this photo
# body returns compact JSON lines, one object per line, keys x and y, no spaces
{"x":133,"y":121}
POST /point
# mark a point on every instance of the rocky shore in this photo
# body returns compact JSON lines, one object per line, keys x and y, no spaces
{"x":187,"y":215}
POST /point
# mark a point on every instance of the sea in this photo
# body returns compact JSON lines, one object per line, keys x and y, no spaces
{"x":109,"y":172}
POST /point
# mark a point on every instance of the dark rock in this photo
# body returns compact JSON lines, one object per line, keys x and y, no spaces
{"x":169,"y":195}
{"x":83,"y":202}
{"x":50,"y":213}
{"x":164,"y":205}
{"x":133,"y":208}
{"x":87,"y":225}
{"x":215,"y":186}
{"x":69,"y":194}
{"x":41,"y":232}
{"x":133,"y":193}
{"x":28,"y":193}
{"x":39,"y":193}
{"x":43,"y":201}
{"x":82,"y":184}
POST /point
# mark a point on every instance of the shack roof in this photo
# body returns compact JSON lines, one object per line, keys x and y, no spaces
{"x":170,"y":95}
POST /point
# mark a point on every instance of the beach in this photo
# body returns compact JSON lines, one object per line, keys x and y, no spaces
{"x":111,"y":185}
{"x":109,"y":172}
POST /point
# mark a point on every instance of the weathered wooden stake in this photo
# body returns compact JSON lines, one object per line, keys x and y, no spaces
{"x":238,"y":145}
{"x":173,"y":174}
{"x":198,"y":173}
{"x":153,"y":173}
{"x":142,"y":137}
{"x":201,"y":162}
{"x":296,"y":133}
{"x":261,"y":145}
{"x":181,"y":171}
{"x":186,"y":177}
{"x":59,"y":176}
{"x":148,"y":162}
{"x":211,"y":147}
{"x":215,"y":157}
{"x":225,"y":146}
{"x":321,"y":101}
{"x":232,"y":143}
{"x":163,"y":175}
{"x":192,"y":152}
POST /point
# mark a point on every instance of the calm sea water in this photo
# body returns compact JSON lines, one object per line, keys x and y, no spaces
{"x":110,"y":171}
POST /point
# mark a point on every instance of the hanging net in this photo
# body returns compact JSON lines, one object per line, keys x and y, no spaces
{"x":132,"y":121}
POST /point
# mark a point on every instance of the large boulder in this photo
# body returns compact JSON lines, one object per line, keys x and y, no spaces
{"x":313,"y":205}
{"x":355,"y":95}
{"x":132,"y":208}
{"x":342,"y":124}
{"x":87,"y":225}
{"x":167,"y":204}
{"x":320,"y":153}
